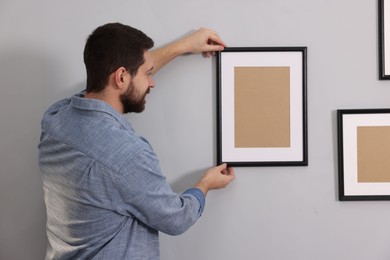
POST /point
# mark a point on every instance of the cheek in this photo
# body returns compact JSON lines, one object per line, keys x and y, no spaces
{"x":141,"y":84}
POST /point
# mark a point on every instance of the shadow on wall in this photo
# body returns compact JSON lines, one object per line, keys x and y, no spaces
{"x":24,"y":77}
{"x":187,"y":181}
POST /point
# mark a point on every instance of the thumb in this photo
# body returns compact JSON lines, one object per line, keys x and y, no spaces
{"x":214,"y":47}
{"x":222,"y":167}
{"x":215,"y":40}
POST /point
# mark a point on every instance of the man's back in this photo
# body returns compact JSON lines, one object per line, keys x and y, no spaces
{"x":80,"y":176}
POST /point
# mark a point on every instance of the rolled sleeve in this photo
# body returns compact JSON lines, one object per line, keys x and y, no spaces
{"x":198,"y":194}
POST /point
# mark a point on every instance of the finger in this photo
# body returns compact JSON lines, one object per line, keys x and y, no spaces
{"x":206,"y":54}
{"x":216,"y":40}
{"x":225,"y":171}
{"x":214,"y":47}
{"x":212,"y":51}
{"x":230,"y":171}
{"x":222,"y":167}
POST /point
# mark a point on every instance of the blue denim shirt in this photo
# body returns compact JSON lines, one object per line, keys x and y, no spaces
{"x":105,"y":195}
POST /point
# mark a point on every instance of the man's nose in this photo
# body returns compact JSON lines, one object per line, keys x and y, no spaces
{"x":151,"y":83}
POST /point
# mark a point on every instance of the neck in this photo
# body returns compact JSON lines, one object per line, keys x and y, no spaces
{"x":110,"y":99}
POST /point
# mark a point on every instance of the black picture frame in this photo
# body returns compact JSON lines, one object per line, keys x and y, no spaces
{"x":363,"y":147}
{"x":233,"y":60}
{"x":384,"y":39}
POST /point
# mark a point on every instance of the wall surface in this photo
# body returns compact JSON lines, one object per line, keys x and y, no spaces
{"x":268,"y":213}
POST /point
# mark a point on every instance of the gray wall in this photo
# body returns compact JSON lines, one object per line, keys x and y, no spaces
{"x":267,"y":213}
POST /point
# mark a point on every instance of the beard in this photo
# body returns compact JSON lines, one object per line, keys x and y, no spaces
{"x":133,"y":101}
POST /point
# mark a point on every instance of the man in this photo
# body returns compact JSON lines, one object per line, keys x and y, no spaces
{"x":105,"y":195}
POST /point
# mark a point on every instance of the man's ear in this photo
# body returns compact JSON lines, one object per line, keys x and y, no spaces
{"x":121,"y":77}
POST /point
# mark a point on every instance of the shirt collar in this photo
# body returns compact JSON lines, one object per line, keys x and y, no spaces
{"x":78,"y":101}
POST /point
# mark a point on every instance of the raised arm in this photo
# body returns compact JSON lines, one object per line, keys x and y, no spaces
{"x":203,"y":40}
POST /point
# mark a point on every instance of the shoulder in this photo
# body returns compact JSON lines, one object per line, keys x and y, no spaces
{"x":95,"y":130}
{"x":112,"y":143}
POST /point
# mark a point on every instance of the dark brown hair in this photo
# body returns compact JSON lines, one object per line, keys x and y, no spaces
{"x":110,"y":47}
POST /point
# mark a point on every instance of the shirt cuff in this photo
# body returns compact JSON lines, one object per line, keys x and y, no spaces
{"x":198,"y":194}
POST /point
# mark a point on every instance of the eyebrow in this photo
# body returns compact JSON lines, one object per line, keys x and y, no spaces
{"x":150,"y":70}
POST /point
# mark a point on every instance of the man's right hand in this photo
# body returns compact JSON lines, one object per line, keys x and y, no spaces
{"x":215,"y":178}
